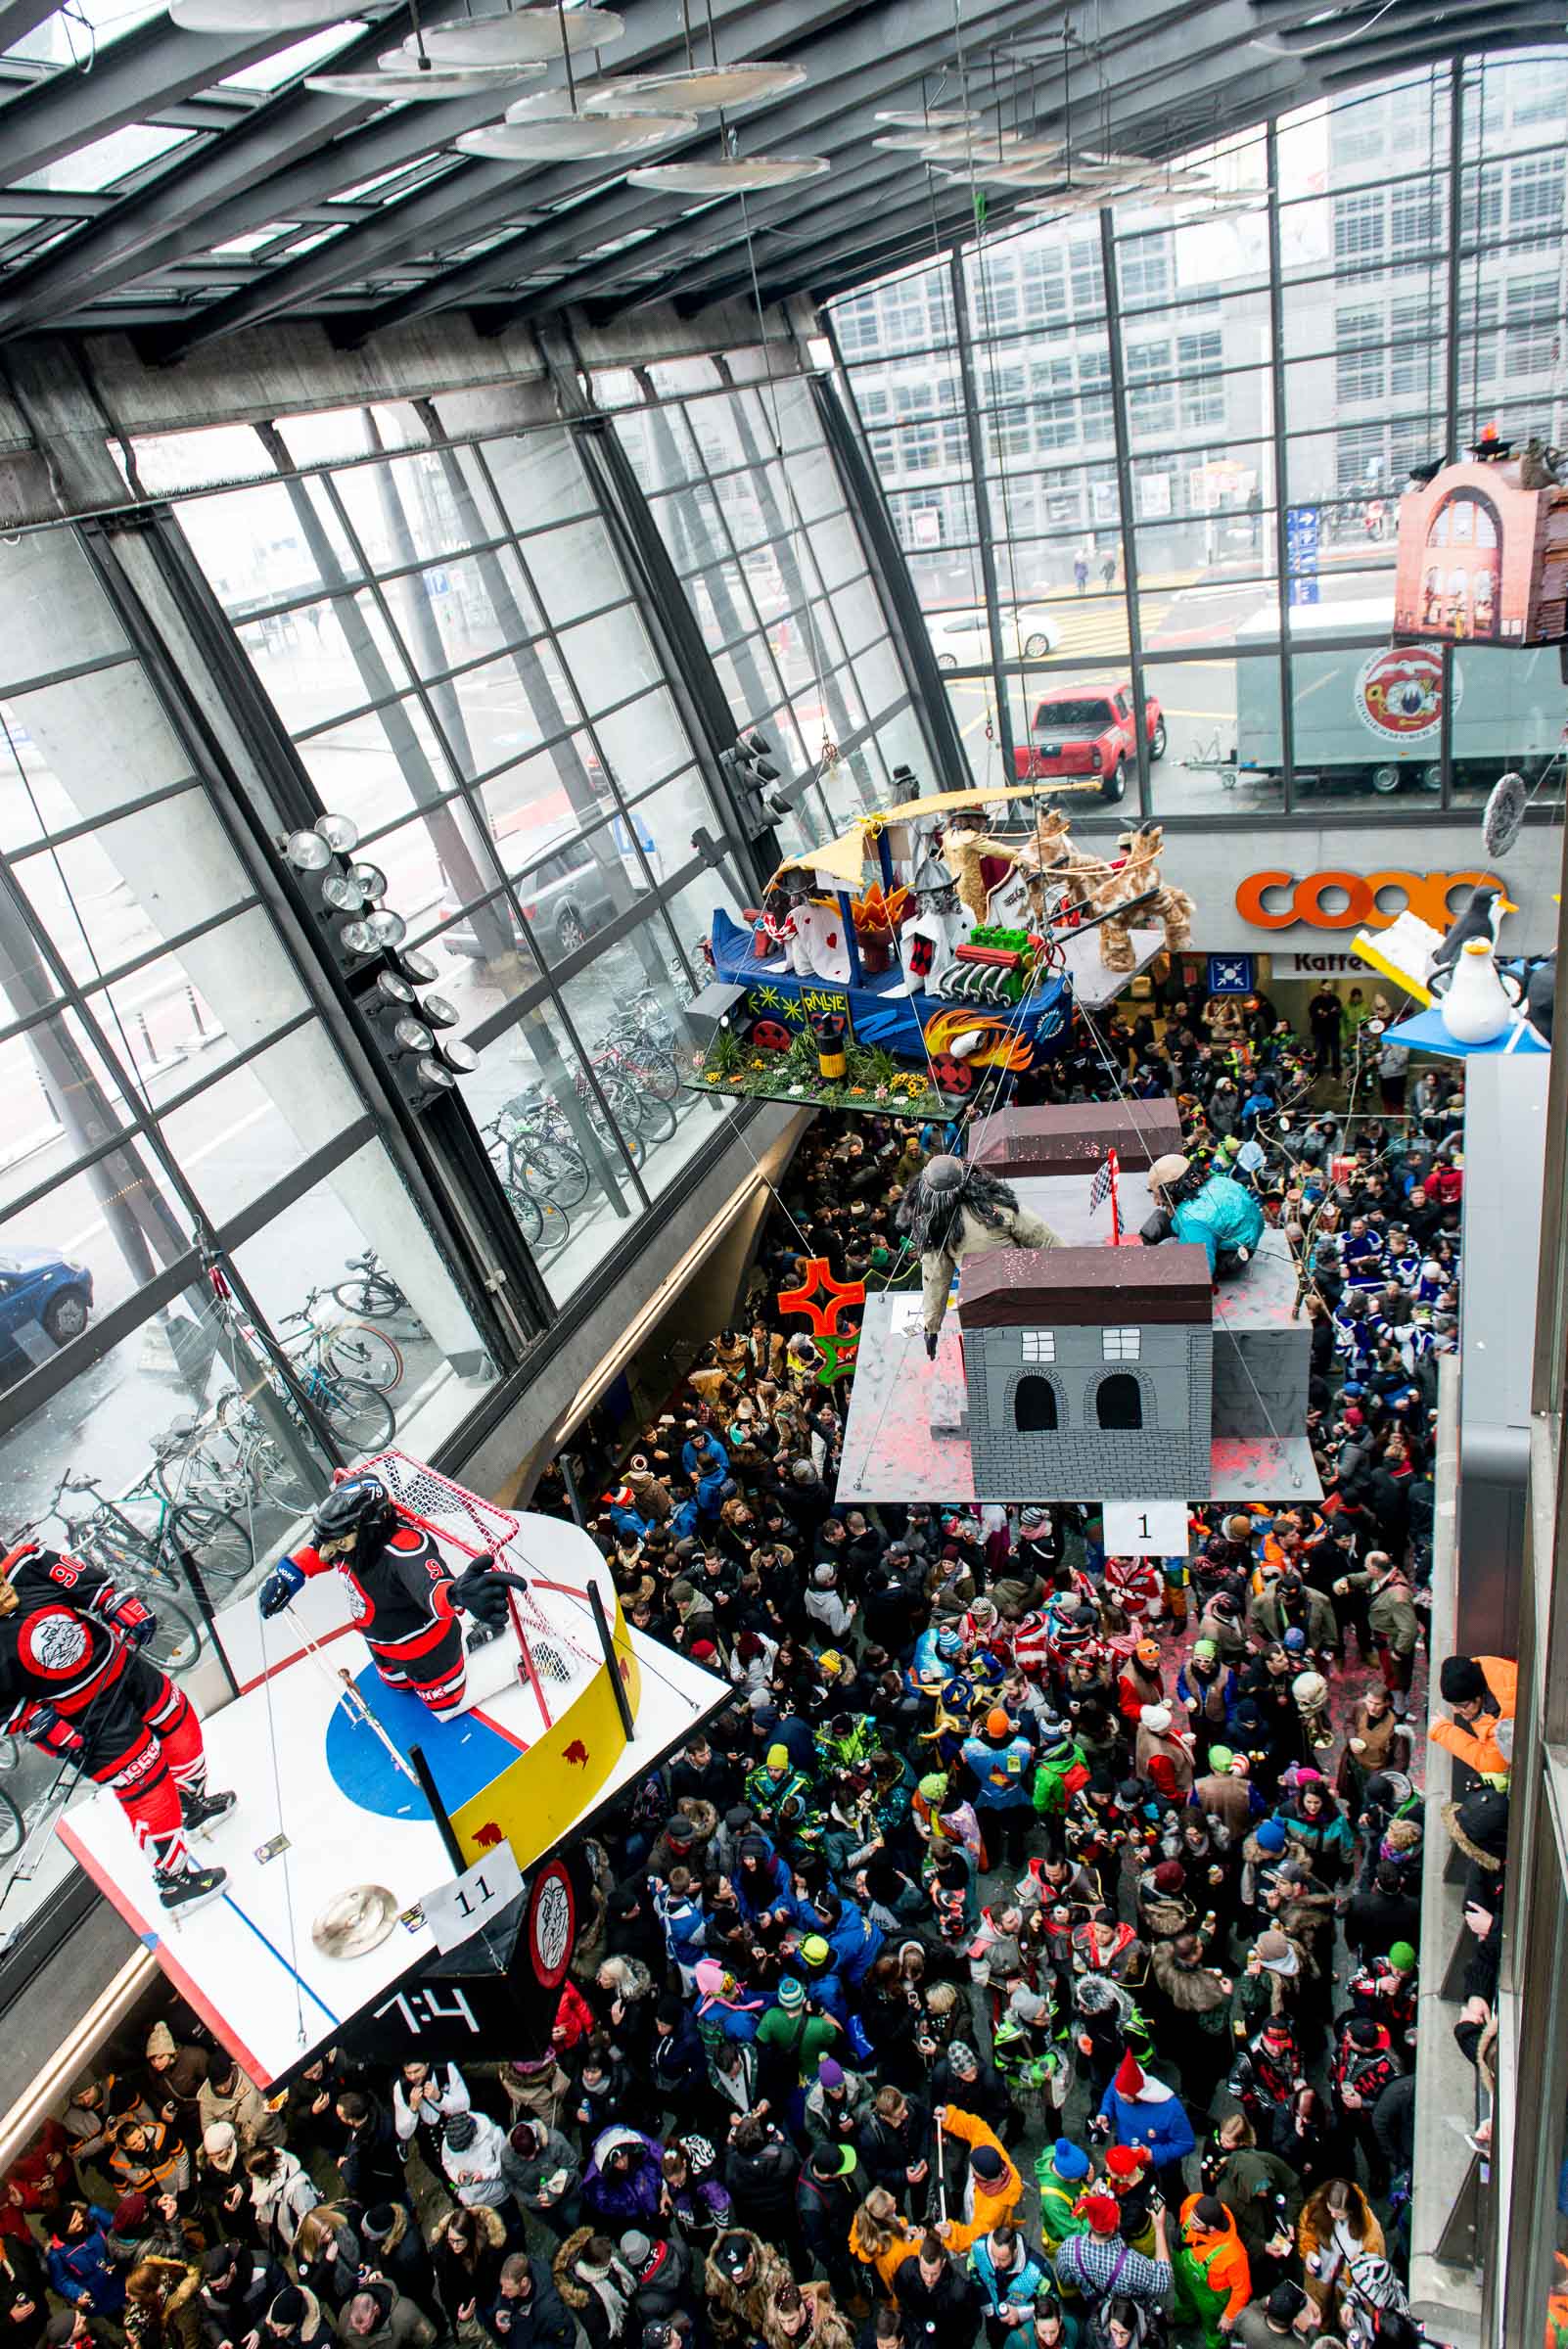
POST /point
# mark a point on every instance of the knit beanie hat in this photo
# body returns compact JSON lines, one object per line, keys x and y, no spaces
{"x":378,"y":2224}
{"x":1221,"y":1758}
{"x":1126,"y":2162}
{"x":814,"y":1952}
{"x":1156,"y":1718}
{"x":933,"y":1789}
{"x":1028,"y":2005}
{"x":1270,"y":1836}
{"x":220,"y":2144}
{"x":288,"y":2306}
{"x":1129,"y":2081}
{"x":131,"y":2211}
{"x":160,"y":2040}
{"x":1401,"y":1957}
{"x":987,"y":2163}
{"x":830,"y":2072}
{"x":778,"y":1757}
{"x":1102,"y":2211}
{"x":1461,"y":1681}
{"x":1169,"y":1878}
{"x":1276,"y":1954}
{"x":1069,"y":2161}
{"x":791,"y":1995}
{"x":460,"y":2129}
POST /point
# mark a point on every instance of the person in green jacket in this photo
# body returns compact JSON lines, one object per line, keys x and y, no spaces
{"x":1061,"y":1771}
{"x":1063,"y":2174}
{"x":791,"y":2034}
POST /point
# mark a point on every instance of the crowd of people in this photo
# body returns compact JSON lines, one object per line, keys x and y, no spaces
{"x":1030,"y":1951}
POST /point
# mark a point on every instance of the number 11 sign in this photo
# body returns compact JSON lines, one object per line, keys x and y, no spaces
{"x":1146,"y":1528}
{"x":473,"y":1900}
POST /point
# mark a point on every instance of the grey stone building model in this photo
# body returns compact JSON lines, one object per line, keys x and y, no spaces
{"x":1116,"y":1372}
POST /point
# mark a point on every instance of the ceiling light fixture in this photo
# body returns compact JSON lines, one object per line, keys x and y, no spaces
{"x":520,"y":36}
{"x":696,"y":89}
{"x":572,"y":136}
{"x":939,"y":117}
{"x":254,"y":16}
{"x":729,"y":174}
{"x":392,"y":83}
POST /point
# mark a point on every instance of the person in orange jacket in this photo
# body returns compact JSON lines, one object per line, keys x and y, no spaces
{"x":1213,"y":2280}
{"x":1481,"y":1693}
{"x":992,"y":2188}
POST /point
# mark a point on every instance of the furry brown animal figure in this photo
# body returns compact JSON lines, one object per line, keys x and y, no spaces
{"x":1138,"y":872}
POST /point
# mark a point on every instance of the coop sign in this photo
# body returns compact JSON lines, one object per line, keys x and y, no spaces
{"x":1345,"y":900}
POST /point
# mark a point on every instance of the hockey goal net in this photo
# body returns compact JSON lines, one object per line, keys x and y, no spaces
{"x":554,"y":1633}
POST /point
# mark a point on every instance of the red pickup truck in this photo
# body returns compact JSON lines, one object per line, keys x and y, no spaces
{"x":1088,"y":732}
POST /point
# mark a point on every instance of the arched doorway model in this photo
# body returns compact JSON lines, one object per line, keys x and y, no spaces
{"x":1035,"y":1410}
{"x":1118,"y":1401}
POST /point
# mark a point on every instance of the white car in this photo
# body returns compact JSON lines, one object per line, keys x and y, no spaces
{"x":962,"y":639}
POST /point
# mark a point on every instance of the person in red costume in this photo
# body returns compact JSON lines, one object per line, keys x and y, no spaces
{"x":73,"y":1683}
{"x":404,"y":1595}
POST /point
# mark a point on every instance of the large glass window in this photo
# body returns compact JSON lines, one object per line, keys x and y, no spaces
{"x":1243,"y":485}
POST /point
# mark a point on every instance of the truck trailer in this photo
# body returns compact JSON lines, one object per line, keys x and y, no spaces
{"x":1370,"y":718}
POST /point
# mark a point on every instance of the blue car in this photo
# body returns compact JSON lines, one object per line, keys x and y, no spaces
{"x":41,"y":1289}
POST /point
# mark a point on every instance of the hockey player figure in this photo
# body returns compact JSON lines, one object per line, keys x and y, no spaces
{"x":73,"y":1683}
{"x":404,"y":1595}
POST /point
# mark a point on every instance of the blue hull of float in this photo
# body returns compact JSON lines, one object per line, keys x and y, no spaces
{"x":877,"y":1016}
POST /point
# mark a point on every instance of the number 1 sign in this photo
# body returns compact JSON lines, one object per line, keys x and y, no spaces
{"x":1146,"y":1528}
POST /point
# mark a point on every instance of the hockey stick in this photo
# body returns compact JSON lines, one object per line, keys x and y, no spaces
{"x":353,"y":1698}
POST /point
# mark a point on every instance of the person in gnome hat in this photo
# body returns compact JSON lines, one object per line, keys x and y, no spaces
{"x":1138,"y":2109}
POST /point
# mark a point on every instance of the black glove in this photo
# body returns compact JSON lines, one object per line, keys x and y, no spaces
{"x":475,"y":1593}
{"x":931,"y":1336}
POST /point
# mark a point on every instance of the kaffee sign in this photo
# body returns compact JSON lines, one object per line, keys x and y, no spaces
{"x":1337,"y":900}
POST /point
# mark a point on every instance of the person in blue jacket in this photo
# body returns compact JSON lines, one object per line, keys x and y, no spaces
{"x":1002,"y":1762}
{"x":707,"y":1463}
{"x":82,"y":2267}
{"x":1137,"y":2109}
{"x":1011,"y":2277}
{"x":1216,"y":1212}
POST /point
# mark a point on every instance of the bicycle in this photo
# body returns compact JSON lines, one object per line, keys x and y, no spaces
{"x":266,"y":1465}
{"x":630,"y":1098}
{"x":627,"y":1050}
{"x":187,"y":1466}
{"x":112,"y":1539}
{"x":350,"y":1349}
{"x":543,"y":1154}
{"x":357,"y":1413}
{"x":214,"y":1537}
{"x":371,"y":1293}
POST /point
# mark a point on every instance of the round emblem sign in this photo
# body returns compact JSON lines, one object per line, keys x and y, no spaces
{"x":552,"y":1919}
{"x":1398,"y":693}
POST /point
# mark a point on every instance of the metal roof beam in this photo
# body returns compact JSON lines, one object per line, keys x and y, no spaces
{"x":791,"y":209}
{"x":19,"y":17}
{"x":292,"y":151}
{"x":147,"y":71}
{"x":1341,"y":33}
{"x":1370,"y":61}
{"x":925,"y":41}
{"x":483,"y":194}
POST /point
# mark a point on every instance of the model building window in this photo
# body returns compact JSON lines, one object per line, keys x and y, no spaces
{"x":1040,"y":1345}
{"x":1120,"y":1402}
{"x":1034,"y":1407}
{"x":1121,"y":1345}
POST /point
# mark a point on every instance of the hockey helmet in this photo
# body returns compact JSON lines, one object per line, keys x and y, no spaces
{"x":357,"y":1505}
